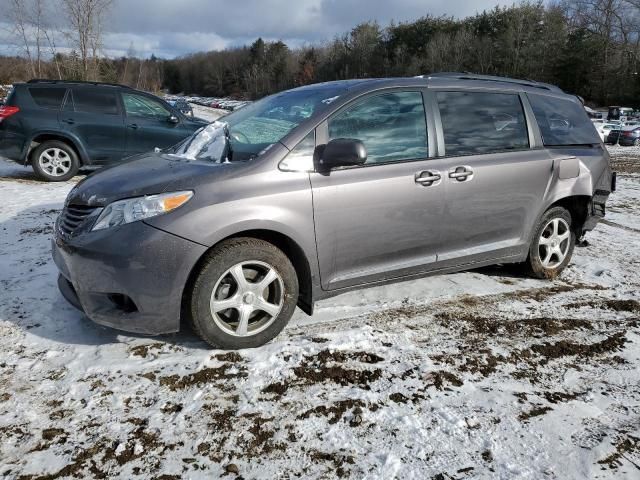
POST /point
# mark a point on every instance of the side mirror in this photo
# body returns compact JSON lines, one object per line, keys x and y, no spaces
{"x":341,"y":152}
{"x":173,"y":119}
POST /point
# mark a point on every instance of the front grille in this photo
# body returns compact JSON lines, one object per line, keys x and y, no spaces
{"x":73,"y":216}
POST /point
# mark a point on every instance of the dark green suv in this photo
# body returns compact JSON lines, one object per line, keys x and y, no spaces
{"x":59,"y":126}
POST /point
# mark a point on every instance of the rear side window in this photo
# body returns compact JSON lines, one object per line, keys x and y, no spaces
{"x":476,"y":122}
{"x":95,"y":101}
{"x":391,"y":126}
{"x":562,"y":122}
{"x":48,"y":97}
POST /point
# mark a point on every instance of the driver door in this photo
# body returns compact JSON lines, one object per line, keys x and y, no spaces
{"x":381,"y":220}
{"x":148,"y":124}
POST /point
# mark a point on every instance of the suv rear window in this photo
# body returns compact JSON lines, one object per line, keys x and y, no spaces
{"x":48,"y":97}
{"x":95,"y":101}
{"x":477,"y":122}
{"x":562,"y":122}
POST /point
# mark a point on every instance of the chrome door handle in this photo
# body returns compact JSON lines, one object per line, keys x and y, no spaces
{"x":460,"y":173}
{"x":132,"y":125}
{"x":427,"y":179}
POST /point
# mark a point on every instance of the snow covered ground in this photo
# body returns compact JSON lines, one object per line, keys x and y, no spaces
{"x":482,"y":374}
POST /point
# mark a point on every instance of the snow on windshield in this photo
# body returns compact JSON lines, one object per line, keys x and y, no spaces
{"x":210,"y":143}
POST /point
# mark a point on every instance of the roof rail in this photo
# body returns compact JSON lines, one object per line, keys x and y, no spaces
{"x":80,"y":82}
{"x":493,"y":78}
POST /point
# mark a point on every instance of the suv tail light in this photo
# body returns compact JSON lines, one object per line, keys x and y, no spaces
{"x":6,"y":111}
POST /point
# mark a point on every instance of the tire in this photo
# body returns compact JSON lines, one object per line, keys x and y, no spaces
{"x":539,"y":263}
{"x":217,"y":287}
{"x":636,"y":142}
{"x":55,"y":161}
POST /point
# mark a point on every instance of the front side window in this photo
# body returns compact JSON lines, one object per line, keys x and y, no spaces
{"x":391,"y":126}
{"x":92,"y":100}
{"x":141,"y":106}
{"x":475,"y":123}
{"x":48,"y":97}
{"x":562,"y":122}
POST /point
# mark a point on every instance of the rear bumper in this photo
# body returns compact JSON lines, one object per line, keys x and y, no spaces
{"x":12,"y":146}
{"x":130,"y":278}
{"x":624,"y":141}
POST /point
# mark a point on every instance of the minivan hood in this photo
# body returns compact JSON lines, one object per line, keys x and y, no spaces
{"x":145,"y":174}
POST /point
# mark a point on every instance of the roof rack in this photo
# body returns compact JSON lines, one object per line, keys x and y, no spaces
{"x":80,"y":82}
{"x":493,"y":78}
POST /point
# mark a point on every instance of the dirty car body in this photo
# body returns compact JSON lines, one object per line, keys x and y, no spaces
{"x":438,"y":200}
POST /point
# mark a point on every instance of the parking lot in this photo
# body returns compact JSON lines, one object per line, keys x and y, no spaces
{"x":481,"y":374}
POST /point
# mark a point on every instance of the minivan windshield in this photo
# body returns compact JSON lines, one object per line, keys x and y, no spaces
{"x":255,"y":127}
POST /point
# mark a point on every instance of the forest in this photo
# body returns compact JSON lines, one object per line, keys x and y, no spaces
{"x":587,"y":47}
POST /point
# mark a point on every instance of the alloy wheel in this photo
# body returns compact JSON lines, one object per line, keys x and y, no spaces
{"x":247,"y":298}
{"x":55,"y":162}
{"x":554,"y":242}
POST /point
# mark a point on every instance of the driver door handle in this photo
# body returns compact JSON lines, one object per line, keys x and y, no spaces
{"x":133,"y":125}
{"x":426,"y":179}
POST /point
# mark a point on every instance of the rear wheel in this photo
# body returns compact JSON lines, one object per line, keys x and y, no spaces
{"x":244,"y":295}
{"x":55,"y":161}
{"x":552,"y":245}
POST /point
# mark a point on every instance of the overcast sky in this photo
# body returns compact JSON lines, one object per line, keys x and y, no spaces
{"x":169,"y":28}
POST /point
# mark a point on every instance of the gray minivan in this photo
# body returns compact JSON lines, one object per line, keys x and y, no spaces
{"x":327,"y":188}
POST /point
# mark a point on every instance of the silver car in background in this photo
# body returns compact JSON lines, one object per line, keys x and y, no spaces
{"x":328,"y":188}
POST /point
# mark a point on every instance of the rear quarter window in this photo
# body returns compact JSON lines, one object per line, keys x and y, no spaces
{"x":562,"y":121}
{"x":48,"y":97}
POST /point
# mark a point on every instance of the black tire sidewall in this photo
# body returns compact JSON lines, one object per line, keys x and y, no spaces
{"x":35,"y":164}
{"x":534,"y":261}
{"x":218,"y":262}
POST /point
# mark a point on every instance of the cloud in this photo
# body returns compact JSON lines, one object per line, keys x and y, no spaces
{"x":168,"y":28}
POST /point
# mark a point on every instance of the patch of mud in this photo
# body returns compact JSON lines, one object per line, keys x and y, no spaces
{"x":614,"y":304}
{"x":564,"y":348}
{"x":627,"y":446}
{"x":534,"y":412}
{"x":206,"y":375}
{"x":321,"y":368}
{"x":333,"y":412}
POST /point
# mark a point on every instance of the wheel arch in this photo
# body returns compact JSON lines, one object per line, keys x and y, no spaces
{"x":578,"y":207}
{"x":41,"y":137}
{"x":289,"y":247}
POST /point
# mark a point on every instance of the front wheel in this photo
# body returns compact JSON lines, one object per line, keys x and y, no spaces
{"x":244,"y":294}
{"x":552,"y":245}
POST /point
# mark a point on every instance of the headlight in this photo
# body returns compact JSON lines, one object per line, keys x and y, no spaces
{"x":139,"y":208}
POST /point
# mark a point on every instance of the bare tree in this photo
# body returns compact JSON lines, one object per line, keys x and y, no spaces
{"x":25,"y":17}
{"x":86,"y":20}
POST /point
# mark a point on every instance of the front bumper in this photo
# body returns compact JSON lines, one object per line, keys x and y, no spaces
{"x":130,"y":277}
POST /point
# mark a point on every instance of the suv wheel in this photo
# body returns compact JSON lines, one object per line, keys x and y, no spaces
{"x":244,"y":295}
{"x":552,"y":245}
{"x":55,"y":161}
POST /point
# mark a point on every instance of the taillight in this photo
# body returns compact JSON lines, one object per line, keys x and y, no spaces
{"x":7,"y":111}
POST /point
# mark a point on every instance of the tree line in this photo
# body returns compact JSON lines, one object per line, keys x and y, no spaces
{"x":587,"y":47}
